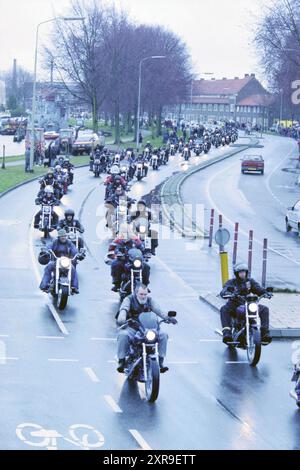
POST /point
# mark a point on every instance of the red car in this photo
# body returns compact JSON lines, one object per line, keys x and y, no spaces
{"x":253,"y":164}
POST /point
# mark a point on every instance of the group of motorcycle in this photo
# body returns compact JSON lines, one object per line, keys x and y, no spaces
{"x":53,"y":186}
{"x":203,"y":144}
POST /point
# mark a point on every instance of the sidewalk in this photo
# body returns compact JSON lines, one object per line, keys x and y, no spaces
{"x":284,"y":312}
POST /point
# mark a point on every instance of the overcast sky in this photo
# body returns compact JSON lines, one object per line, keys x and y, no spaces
{"x":218,"y":32}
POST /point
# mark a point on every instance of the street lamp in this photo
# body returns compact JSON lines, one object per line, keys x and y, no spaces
{"x":139,"y":94}
{"x":34,"y":81}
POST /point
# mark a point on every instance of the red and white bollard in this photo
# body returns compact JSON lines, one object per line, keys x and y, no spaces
{"x":211,"y":227}
{"x":250,"y":252}
{"x":264,"y":266}
{"x":235,"y":243}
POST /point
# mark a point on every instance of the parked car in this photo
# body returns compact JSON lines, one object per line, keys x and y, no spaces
{"x":292,"y":219}
{"x":51,"y":135}
{"x":253,"y":164}
{"x":86,"y":142}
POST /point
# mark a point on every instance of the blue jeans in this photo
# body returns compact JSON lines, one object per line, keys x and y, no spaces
{"x":49,"y":269}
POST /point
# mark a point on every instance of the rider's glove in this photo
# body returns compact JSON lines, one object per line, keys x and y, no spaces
{"x":171,"y":320}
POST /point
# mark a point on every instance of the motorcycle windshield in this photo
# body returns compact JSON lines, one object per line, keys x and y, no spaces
{"x":149,"y":320}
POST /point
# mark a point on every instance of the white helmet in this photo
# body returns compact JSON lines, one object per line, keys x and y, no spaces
{"x":48,"y":190}
{"x":114,"y":170}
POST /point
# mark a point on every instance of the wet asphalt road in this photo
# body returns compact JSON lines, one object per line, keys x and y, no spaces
{"x":258,"y":203}
{"x":210,"y":398}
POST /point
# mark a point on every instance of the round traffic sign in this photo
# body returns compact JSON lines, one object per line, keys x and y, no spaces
{"x":222,"y":236}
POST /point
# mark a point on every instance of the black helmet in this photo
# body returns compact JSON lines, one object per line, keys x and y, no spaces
{"x":69,"y":212}
{"x":44,"y":257}
{"x":240,"y":267}
{"x":141,"y":201}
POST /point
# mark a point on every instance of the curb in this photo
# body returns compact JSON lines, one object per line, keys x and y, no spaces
{"x":198,"y":233}
{"x":9,"y":190}
{"x":279,"y":333}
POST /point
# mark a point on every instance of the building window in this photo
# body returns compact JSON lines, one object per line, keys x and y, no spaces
{"x":215,"y":107}
{"x":210,"y":107}
{"x":204,"y":107}
{"x":237,"y":109}
{"x":249,"y":109}
{"x":221,"y":108}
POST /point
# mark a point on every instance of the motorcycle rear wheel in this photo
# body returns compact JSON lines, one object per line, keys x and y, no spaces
{"x":152,"y":383}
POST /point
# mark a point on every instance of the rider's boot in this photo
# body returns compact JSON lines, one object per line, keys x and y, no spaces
{"x":265,"y":336}
{"x":227,"y":336}
{"x":121,"y":366}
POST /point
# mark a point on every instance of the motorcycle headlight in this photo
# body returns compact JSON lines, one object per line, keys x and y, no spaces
{"x":65,"y":262}
{"x":150,"y":335}
{"x":139,"y":166}
{"x":137,"y":263}
{"x":252,"y":308}
{"x":124,"y":168}
{"x":122,"y":209}
{"x":142,"y":229}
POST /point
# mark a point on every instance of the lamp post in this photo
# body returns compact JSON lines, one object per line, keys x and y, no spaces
{"x":139,"y":94}
{"x":34,"y":82}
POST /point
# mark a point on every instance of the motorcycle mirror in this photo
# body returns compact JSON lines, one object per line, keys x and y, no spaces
{"x":172,"y":313}
{"x":270,"y":289}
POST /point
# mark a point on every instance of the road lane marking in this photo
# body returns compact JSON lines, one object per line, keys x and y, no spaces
{"x":103,"y":339}
{"x":139,"y":439}
{"x":4,"y":336}
{"x":270,"y":176}
{"x":3,"y":359}
{"x":236,"y":362}
{"x":50,"y":337}
{"x":183,"y":362}
{"x":210,"y":341}
{"x":37,"y":273}
{"x":112,"y":361}
{"x":111,"y":402}
{"x":62,"y":360}
{"x":89,"y":371}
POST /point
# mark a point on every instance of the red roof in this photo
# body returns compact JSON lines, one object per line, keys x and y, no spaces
{"x":256,"y":100}
{"x":199,"y":99}
{"x":220,"y":87}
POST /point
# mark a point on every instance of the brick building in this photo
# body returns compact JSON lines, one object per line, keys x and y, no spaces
{"x":244,"y":100}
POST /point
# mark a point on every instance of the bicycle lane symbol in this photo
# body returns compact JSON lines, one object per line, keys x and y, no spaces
{"x":84,"y":436}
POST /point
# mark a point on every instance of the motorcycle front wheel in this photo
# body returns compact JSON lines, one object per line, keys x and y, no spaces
{"x":62,"y":298}
{"x":152,"y":383}
{"x":254,"y":347}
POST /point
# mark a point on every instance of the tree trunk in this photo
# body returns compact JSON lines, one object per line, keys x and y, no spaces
{"x":158,"y":122}
{"x":106,"y":117}
{"x":95,"y":113}
{"x":117,"y":122}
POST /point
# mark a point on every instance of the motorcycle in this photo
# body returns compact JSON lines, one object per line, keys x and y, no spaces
{"x":198,"y":150}
{"x":186,"y":153}
{"x":45,"y":224}
{"x":172,"y":150}
{"x":96,"y":167}
{"x":246,"y":327}
{"x":142,"y":362}
{"x":60,"y":284}
{"x":74,"y":237}
{"x":139,"y":171}
{"x":142,"y":229}
{"x":133,"y":274}
{"x":154,"y":162}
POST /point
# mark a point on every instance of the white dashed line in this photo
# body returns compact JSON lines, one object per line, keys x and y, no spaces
{"x":237,"y":362}
{"x":50,"y":337}
{"x":63,"y":360}
{"x":139,"y":439}
{"x":89,"y":371}
{"x":210,"y":341}
{"x":103,"y":339}
{"x":111,"y":402}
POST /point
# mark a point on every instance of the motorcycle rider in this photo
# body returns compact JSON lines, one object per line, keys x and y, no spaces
{"x":47,"y":198}
{"x":70,"y":221}
{"x":131,"y":307}
{"x":123,"y":243}
{"x":243,"y":285}
{"x":60,"y":247}
{"x":68,"y":166}
{"x":143,"y":212}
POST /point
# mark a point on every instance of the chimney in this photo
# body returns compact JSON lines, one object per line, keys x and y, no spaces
{"x":236,"y":78}
{"x":224,"y":78}
{"x":246,"y":75}
{"x":253,"y":75}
